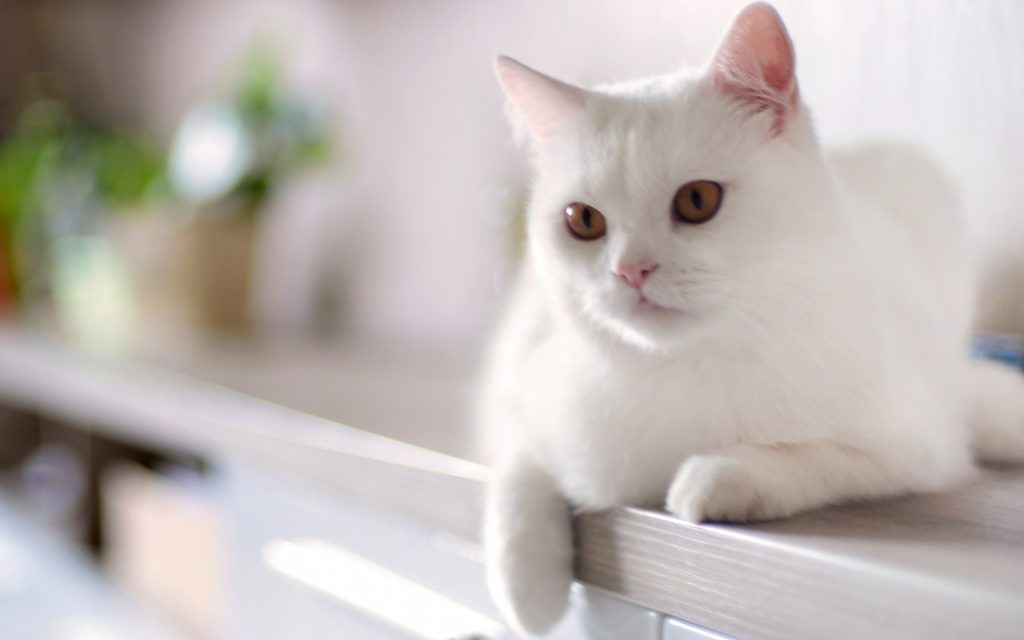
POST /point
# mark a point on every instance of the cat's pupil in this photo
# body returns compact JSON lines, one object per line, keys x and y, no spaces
{"x":696,"y":199}
{"x":586,"y":217}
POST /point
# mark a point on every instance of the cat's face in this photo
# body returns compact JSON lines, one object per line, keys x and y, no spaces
{"x":663,"y":204}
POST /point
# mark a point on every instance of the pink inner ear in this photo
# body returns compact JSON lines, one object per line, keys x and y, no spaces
{"x":546,"y":104}
{"x":755,"y":62}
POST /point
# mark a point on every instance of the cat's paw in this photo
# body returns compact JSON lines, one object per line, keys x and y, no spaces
{"x":725,"y":489}
{"x":528,"y":547}
{"x":530,"y":589}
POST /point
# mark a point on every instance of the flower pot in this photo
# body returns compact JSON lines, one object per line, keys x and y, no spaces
{"x":219,"y":258}
{"x":189,"y":275}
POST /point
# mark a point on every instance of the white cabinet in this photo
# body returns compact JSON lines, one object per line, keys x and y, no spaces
{"x":307,"y":564}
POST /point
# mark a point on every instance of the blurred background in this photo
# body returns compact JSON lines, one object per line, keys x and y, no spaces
{"x":350,"y":160}
{"x":279,"y":181}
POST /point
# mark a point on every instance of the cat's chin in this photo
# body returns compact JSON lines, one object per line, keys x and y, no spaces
{"x":649,"y":326}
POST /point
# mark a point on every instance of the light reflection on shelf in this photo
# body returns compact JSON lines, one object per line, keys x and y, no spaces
{"x":376,"y":590}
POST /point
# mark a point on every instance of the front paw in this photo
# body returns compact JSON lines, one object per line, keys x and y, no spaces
{"x":725,"y":489}
{"x":530,"y":590}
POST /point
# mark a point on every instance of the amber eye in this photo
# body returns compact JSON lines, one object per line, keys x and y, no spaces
{"x":697,"y":201}
{"x":584,"y":221}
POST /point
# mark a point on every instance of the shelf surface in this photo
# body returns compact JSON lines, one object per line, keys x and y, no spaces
{"x":937,"y":566}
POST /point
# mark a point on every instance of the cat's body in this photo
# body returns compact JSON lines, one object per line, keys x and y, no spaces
{"x":806,"y":345}
{"x":612,"y":423}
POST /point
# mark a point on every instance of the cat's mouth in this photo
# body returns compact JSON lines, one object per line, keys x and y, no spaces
{"x":645,"y":305}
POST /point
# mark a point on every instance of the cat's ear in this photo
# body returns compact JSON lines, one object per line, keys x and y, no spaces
{"x":755,"y":63}
{"x":545,"y":105}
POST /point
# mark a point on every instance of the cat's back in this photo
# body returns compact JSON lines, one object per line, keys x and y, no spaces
{"x":908,"y":213}
{"x":906,"y":204}
{"x":906,"y":187}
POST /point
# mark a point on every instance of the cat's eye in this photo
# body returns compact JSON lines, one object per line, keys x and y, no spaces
{"x":697,"y":201}
{"x":584,"y":221}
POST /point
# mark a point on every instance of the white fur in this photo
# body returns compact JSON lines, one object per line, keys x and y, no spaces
{"x":814,"y":350}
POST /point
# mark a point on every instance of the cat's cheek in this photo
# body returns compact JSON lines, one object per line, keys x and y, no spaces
{"x":575,"y":268}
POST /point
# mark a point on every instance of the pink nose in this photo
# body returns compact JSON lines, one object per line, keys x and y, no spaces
{"x":636,"y":273}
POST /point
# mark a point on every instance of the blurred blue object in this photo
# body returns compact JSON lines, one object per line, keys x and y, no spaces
{"x":1003,"y":347}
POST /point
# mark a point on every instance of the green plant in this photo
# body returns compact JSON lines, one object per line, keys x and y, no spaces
{"x":263,"y":135}
{"x":47,"y":146}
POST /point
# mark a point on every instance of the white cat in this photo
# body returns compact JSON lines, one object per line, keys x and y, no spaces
{"x":714,"y":317}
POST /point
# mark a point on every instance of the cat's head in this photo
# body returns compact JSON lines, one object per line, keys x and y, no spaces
{"x":663,"y":203}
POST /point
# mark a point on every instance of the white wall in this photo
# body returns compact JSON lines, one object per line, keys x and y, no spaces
{"x":420,"y":113}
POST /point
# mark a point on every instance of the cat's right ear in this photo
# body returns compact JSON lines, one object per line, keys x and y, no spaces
{"x":544,"y":105}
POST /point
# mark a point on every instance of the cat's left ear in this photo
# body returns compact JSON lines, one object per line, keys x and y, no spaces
{"x":545,"y":105}
{"x":756,"y":64}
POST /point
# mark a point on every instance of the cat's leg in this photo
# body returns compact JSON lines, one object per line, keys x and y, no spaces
{"x":528,"y":546}
{"x":762,"y":482}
